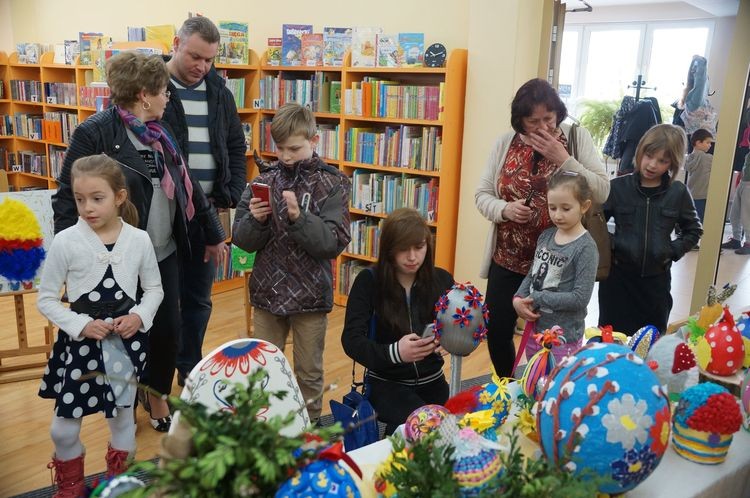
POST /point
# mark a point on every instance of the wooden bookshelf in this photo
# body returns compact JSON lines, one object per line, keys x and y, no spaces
{"x":257,"y":112}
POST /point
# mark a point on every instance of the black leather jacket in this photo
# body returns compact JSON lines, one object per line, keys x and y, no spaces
{"x":104,"y":132}
{"x":643,"y":225}
{"x":225,"y":132}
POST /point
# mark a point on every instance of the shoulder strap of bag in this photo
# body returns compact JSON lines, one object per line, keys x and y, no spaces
{"x":371,"y":336}
{"x":573,"y":141}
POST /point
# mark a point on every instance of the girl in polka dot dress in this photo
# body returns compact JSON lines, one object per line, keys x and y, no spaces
{"x":104,"y":263}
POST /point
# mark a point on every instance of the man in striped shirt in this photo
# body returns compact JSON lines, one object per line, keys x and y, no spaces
{"x":203,"y":115}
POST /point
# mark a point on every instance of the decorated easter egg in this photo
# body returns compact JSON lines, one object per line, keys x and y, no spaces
{"x":604,"y":412}
{"x":461,"y":319}
{"x":424,"y":420}
{"x":211,"y":380}
{"x":721,"y":351}
{"x":675,"y":362}
{"x":643,"y":340}
{"x":705,"y":420}
{"x":745,"y":401}
{"x":320,"y":479}
{"x":743,"y":326}
{"x":497,"y":397}
{"x":477,"y":462}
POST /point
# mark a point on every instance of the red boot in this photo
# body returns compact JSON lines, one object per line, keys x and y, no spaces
{"x":68,"y":477}
{"x":117,"y":461}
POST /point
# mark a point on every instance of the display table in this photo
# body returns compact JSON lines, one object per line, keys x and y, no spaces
{"x":675,"y":477}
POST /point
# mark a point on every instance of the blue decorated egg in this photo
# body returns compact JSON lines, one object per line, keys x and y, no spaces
{"x":604,"y":412}
{"x":320,"y":479}
{"x":643,"y":340}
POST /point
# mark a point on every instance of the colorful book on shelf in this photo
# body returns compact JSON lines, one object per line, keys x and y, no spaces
{"x":334,"y":100}
{"x":28,"y":53}
{"x":59,"y":55}
{"x":364,"y":46}
{"x":312,"y":49}
{"x":387,"y":50}
{"x":291,"y":43}
{"x":137,"y":33}
{"x":273,"y":52}
{"x":411,"y":49}
{"x":162,"y":33}
{"x":233,"y":42}
{"x":86,"y":43}
{"x":71,"y":51}
{"x":336,"y":41}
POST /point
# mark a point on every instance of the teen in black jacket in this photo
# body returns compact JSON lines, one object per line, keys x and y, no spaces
{"x":397,"y":299}
{"x":647,"y":206}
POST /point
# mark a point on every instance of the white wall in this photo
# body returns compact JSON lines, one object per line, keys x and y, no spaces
{"x":6,"y":27}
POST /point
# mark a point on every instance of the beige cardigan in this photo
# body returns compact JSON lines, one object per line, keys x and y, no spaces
{"x":487,"y":198}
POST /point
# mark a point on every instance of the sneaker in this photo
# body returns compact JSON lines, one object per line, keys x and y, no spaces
{"x":743,"y":250}
{"x":731,"y":244}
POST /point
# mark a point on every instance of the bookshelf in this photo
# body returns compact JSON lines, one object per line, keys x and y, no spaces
{"x":432,"y":134}
{"x":366,"y":141}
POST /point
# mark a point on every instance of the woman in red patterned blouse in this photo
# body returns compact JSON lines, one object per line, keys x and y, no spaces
{"x":512,"y":194}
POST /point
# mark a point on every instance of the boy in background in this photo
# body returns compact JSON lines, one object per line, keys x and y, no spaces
{"x":698,"y":167}
{"x":296,"y":233}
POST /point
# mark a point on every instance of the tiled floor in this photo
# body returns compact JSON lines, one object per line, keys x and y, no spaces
{"x":733,"y":268}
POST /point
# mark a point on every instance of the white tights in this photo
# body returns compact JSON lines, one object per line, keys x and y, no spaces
{"x":66,"y":433}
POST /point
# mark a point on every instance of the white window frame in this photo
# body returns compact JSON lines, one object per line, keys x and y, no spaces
{"x":643,"y":57}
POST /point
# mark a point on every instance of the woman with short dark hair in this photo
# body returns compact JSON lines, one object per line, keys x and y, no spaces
{"x":512,"y":194}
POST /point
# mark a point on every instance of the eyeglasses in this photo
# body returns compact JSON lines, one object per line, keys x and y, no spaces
{"x":167,"y":93}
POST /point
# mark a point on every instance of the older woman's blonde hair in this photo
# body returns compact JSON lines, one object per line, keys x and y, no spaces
{"x":130,"y":72}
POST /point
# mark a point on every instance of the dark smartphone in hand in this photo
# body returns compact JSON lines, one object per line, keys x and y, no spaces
{"x":429,"y":331}
{"x":262,"y":192}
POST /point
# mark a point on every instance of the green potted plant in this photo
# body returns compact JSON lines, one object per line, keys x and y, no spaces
{"x":596,"y":117}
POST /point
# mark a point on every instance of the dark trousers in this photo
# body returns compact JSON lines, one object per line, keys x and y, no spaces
{"x":195,"y":300}
{"x":394,"y":402}
{"x":163,"y":336}
{"x":700,"y":208}
{"x":628,"y":301}
{"x":502,"y":285}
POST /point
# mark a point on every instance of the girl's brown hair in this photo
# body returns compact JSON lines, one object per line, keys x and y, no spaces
{"x":404,"y":228}
{"x":106,"y":168}
{"x":664,"y":137}
{"x":573,"y":181}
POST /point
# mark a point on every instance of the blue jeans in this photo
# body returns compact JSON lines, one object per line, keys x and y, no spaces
{"x":195,"y":301}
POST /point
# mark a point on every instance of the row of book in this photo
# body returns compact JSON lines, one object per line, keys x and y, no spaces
{"x":373,"y":97}
{"x":26,"y":90}
{"x":328,"y":143}
{"x":382,"y":193}
{"x":52,"y":126}
{"x":347,"y":272}
{"x":404,"y":146}
{"x":318,"y":92}
{"x":365,"y":237}
{"x":6,"y":125}
{"x":237,"y":87}
{"x":26,"y":161}
{"x":370,"y":47}
{"x":88,"y":95}
{"x":56,"y":158}
{"x":60,"y":93}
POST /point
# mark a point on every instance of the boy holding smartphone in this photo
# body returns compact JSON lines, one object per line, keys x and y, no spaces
{"x":302,"y":226}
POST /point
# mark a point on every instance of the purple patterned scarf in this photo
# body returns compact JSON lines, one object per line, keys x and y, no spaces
{"x":154,"y":135}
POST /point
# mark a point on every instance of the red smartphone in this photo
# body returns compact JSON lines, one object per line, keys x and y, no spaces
{"x":262,"y":191}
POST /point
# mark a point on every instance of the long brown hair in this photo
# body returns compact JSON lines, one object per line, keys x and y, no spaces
{"x":106,"y":168}
{"x":404,"y":228}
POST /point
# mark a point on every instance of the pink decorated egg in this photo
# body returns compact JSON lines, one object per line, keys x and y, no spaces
{"x":424,"y":420}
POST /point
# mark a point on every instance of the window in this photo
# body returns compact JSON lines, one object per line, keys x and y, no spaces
{"x":600,"y":61}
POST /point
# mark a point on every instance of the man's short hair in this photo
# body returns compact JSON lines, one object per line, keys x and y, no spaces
{"x":203,"y":26}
